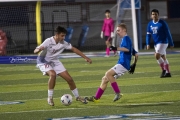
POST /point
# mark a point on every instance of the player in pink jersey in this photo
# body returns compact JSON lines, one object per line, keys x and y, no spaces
{"x":107,"y":32}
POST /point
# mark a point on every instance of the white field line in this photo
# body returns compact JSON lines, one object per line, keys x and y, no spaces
{"x":43,"y":110}
{"x":94,"y":80}
{"x":157,"y":103}
{"x":86,"y":87}
{"x":107,"y":95}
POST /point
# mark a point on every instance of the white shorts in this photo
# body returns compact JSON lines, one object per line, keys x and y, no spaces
{"x":161,"y":48}
{"x":119,"y":70}
{"x":56,"y":66}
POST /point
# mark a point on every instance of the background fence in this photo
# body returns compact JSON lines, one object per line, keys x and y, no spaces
{"x":18,"y":21}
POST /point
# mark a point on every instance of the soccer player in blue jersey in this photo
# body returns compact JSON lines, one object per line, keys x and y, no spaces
{"x":161,"y":35}
{"x":122,"y":66}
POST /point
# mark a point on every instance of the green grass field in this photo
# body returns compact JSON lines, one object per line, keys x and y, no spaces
{"x":143,"y":91}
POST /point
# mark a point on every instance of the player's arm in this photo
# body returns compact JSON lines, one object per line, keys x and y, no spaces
{"x":135,"y":58}
{"x":44,"y":45}
{"x":166,"y":28}
{"x":133,"y":66}
{"x":119,"y":49}
{"x":103,"y":29}
{"x":38,"y":49}
{"x":125,"y":46}
{"x":112,"y":28}
{"x":78,"y":52}
{"x":148,"y":36}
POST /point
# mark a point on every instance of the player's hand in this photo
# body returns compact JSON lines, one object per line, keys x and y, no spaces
{"x":113,"y":48}
{"x":88,"y":60}
{"x":148,"y":47}
{"x":101,"y":34}
{"x":112,"y":35}
{"x":132,"y":68}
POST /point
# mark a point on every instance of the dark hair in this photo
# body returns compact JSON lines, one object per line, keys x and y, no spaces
{"x":60,"y":29}
{"x":107,"y":11}
{"x":155,"y":10}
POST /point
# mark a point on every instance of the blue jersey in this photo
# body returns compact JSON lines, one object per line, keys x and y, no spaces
{"x":160,"y":33}
{"x":125,"y":57}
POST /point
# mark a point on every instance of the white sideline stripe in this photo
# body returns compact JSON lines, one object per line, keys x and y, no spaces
{"x":108,"y":95}
{"x":87,"y":87}
{"x":158,"y":103}
{"x":42,"y":110}
{"x":94,"y":80}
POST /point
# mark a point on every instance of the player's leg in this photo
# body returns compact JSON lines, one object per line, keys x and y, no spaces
{"x":111,"y":75}
{"x":51,"y":85}
{"x":107,"y":46}
{"x":66,"y":76}
{"x":110,"y":43}
{"x":160,"y":61}
{"x":166,"y":62}
{"x":99,"y":91}
{"x":47,"y":69}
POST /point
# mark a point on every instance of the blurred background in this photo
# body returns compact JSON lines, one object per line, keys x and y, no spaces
{"x":84,"y":17}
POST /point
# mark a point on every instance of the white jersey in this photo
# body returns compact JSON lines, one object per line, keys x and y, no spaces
{"x":51,"y":50}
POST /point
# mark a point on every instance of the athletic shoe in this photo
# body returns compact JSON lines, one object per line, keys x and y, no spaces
{"x":117,"y":96}
{"x":163,"y":73}
{"x":167,"y":75}
{"x":50,"y":101}
{"x":83,"y":100}
{"x":92,"y":99}
{"x":106,"y":56}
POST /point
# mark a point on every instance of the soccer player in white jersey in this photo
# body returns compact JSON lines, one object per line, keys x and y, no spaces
{"x":122,"y":66}
{"x":160,"y":32}
{"x":49,"y":64}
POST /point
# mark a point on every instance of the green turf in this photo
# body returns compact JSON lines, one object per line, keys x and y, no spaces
{"x":143,"y":91}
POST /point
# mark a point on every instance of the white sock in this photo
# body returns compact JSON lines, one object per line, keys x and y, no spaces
{"x":50,"y":92}
{"x":160,"y":61}
{"x":75,"y":93}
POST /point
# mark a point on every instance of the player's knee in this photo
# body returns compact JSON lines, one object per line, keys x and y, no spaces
{"x":105,"y":79}
{"x":52,"y":74}
{"x":157,"y":55}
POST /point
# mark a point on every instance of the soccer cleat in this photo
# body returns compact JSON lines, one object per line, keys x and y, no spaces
{"x":106,"y":56}
{"x":117,"y":96}
{"x":163,"y":73}
{"x":167,"y":75}
{"x":83,"y":100}
{"x":92,"y":99}
{"x":50,"y":101}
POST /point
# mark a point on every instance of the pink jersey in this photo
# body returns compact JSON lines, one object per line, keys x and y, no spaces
{"x":108,"y":26}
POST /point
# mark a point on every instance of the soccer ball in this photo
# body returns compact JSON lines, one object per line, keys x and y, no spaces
{"x":66,"y":99}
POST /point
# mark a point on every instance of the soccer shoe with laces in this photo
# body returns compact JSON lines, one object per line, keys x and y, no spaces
{"x":92,"y":99}
{"x":117,"y":96}
{"x":50,"y":101}
{"x":163,"y":73}
{"x":83,"y":100}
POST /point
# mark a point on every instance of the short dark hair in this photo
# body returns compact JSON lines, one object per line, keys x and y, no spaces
{"x":107,"y":11}
{"x":60,"y":29}
{"x":155,"y":10}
